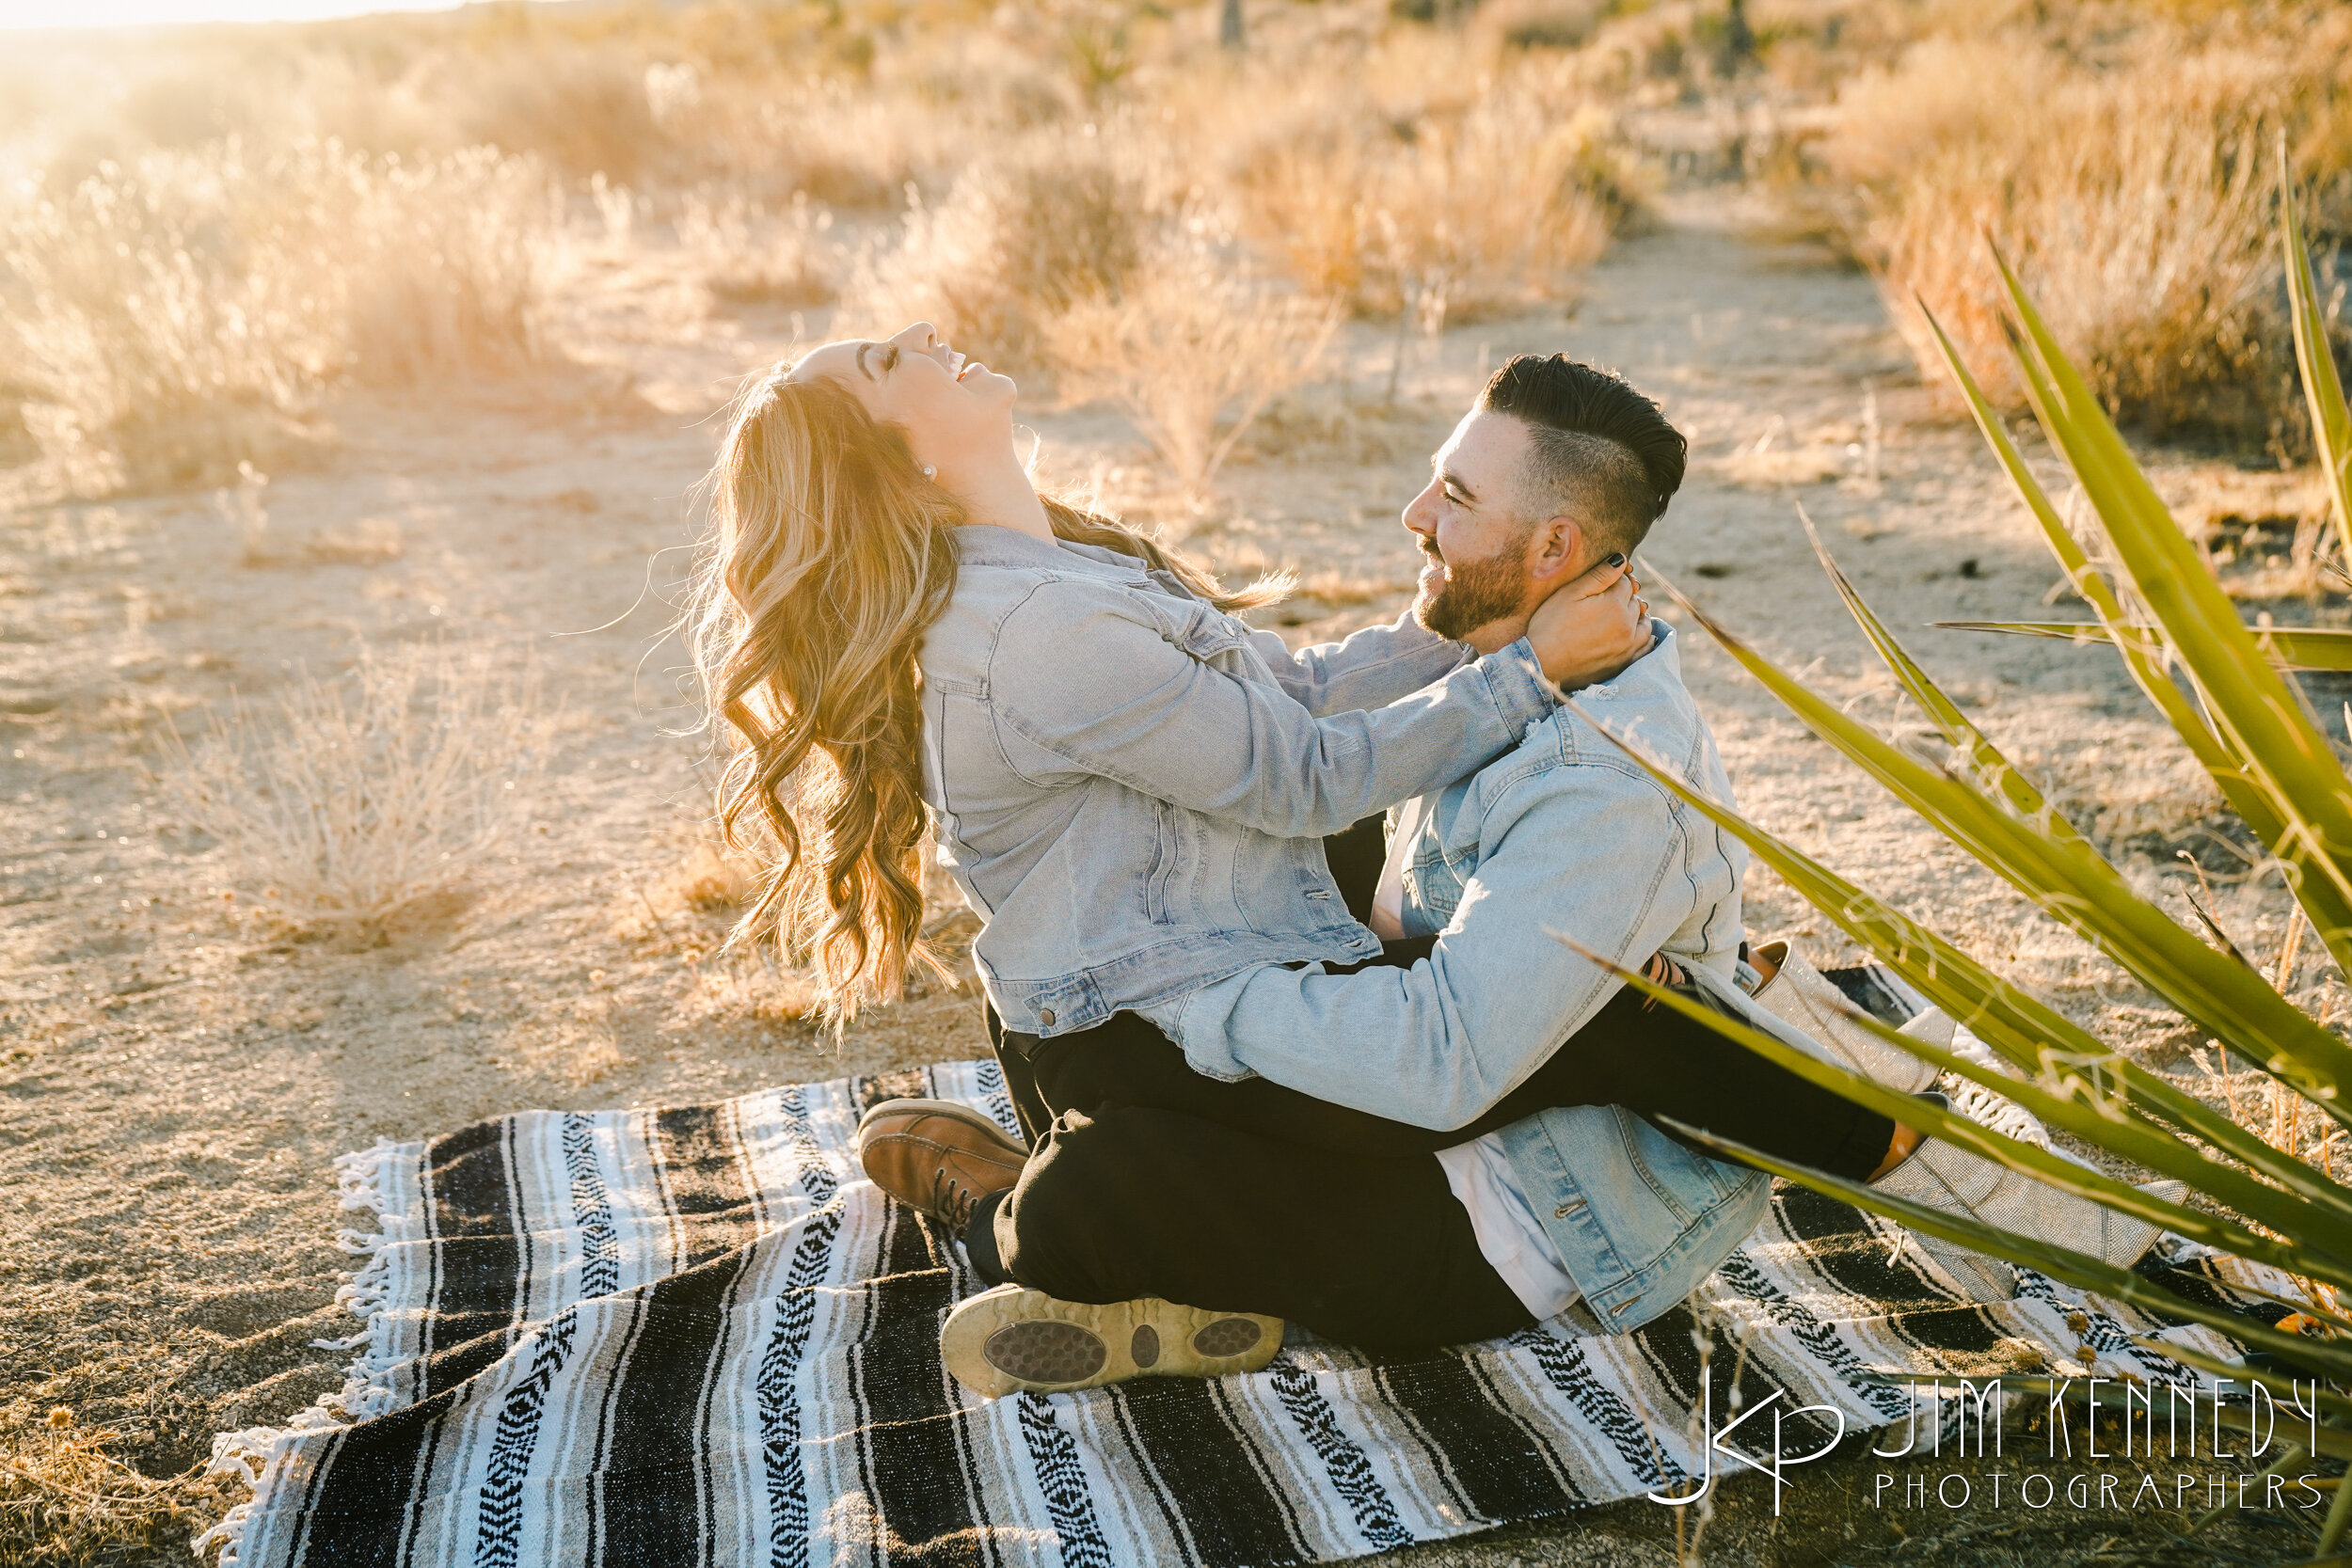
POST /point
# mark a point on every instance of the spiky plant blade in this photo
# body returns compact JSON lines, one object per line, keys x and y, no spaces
{"x":2315,"y":358}
{"x":2288,"y":647}
{"x":2024,"y":1157}
{"x":2073,"y":1393}
{"x":2144,"y":655}
{"x":1994,"y":770}
{"x":2326,"y":896}
{"x":2030,"y":1033}
{"x":2076,"y":1269}
{"x":2325,"y":1401}
{"x":1952,"y":1128}
{"x":2067,"y":880}
{"x":2251,"y":705}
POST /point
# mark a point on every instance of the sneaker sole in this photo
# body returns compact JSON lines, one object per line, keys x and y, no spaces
{"x":979,"y":1122}
{"x":1010,"y":1338}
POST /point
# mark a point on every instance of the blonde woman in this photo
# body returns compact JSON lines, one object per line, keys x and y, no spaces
{"x":1130,"y":784}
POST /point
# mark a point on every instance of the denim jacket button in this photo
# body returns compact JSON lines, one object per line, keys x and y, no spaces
{"x":1047,"y":1017}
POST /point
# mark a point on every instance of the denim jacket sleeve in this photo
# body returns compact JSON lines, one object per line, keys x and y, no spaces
{"x":1370,"y":669}
{"x":1593,"y":850}
{"x":1161,"y":695}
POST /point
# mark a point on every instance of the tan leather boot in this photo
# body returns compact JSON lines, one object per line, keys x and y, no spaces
{"x":937,"y":1156}
{"x":1010,"y":1338}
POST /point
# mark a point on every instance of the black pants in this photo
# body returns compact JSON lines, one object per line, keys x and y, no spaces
{"x":1140,"y":1200}
{"x":1148,"y":1178}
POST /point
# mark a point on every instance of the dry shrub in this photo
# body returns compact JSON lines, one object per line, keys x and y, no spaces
{"x":841,"y":148}
{"x":1493,"y":209}
{"x":360,"y":799}
{"x":1018,"y":241}
{"x":581,"y":109}
{"x":1192,"y":353}
{"x":2136,"y":201}
{"x":66,"y":1501}
{"x":177,"y":315}
{"x":709,"y":883}
{"x":748,"y":255}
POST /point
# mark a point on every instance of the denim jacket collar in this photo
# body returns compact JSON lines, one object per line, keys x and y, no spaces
{"x":992,"y":544}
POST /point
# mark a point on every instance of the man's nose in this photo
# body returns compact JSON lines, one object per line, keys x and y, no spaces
{"x":1416,"y":516}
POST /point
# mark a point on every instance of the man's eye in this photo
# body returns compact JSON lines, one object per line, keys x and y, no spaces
{"x":890,"y":357}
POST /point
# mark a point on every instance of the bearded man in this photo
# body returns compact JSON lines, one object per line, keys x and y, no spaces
{"x":1454,"y":1141}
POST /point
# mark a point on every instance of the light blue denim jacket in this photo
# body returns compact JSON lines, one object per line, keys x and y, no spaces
{"x":1565,"y":837}
{"x":1131,"y":786}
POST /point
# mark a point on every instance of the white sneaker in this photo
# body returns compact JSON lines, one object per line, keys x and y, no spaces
{"x":1943,"y":1175}
{"x":1799,"y":996}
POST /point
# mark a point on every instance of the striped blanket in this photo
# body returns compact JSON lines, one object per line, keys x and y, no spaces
{"x":698,"y":1335}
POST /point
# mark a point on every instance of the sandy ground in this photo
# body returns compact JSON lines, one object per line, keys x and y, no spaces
{"x":177,"y":1074}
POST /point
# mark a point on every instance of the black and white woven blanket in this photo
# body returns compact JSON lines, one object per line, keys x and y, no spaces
{"x":699,"y":1336}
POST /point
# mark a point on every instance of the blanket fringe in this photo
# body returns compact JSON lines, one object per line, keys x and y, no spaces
{"x":258,"y":1455}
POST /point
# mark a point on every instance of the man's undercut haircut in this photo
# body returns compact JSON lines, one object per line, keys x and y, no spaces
{"x":1598,"y":449}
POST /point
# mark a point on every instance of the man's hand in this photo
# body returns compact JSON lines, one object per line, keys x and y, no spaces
{"x":1591,"y":627}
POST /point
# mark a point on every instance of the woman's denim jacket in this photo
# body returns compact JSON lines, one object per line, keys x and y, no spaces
{"x":1131,"y":786}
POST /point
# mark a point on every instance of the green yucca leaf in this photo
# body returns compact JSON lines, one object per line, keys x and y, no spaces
{"x":2144,"y":1144}
{"x":2076,"y":1269}
{"x":2068,"y":880}
{"x":1992,"y":769}
{"x":2073,"y":1393}
{"x":2331,"y":423}
{"x":2144,"y":656}
{"x":2040,"y":1163}
{"x":2325,"y":898}
{"x":2335,"y":1320}
{"x":2248,"y":703}
{"x":2289,"y":647}
{"x":2029,"y":1033}
{"x":2328,"y":1401}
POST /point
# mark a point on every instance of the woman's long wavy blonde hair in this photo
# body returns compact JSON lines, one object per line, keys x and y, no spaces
{"x":828,"y":556}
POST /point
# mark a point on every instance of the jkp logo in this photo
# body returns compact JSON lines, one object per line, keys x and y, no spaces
{"x":1777,"y":1460}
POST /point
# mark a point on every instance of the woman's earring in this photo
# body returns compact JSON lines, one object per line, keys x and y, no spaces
{"x":930,"y":473}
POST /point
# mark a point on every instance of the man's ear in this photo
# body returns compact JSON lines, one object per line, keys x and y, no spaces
{"x":1553,"y":548}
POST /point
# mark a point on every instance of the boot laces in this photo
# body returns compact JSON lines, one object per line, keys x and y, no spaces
{"x":951,"y":1201}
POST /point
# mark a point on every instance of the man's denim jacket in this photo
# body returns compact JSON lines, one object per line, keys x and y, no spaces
{"x":1566,"y":836}
{"x":1132,"y":787}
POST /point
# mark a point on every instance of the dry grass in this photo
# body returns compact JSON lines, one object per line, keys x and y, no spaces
{"x":1018,"y":241}
{"x":2135,"y":199}
{"x":1496,"y":207}
{"x":359,"y":801}
{"x":165,"y":320}
{"x":749,"y":255}
{"x":65,"y":1500}
{"x":1191,"y":352}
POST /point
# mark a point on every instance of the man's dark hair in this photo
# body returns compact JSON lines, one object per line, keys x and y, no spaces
{"x":1598,"y":449}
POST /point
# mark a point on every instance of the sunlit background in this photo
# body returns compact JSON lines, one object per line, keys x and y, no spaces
{"x":19,"y":14}
{"x":346,"y":363}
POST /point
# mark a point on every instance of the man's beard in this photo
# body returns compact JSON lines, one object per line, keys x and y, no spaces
{"x":1473,"y":593}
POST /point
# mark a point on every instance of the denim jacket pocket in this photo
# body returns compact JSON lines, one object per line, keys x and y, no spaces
{"x":1633,"y":1131}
